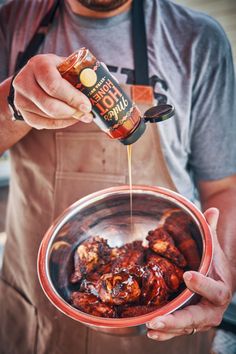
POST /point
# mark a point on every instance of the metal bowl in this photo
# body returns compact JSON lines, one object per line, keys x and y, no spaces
{"x":107,"y":213}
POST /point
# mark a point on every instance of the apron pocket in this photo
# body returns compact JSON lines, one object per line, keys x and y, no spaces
{"x":89,"y":152}
{"x":71,"y":186}
{"x":18,"y":330}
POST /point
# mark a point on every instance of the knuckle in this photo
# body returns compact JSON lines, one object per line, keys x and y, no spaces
{"x":38,"y":127}
{"x":53,"y":87}
{"x":20,"y":102}
{"x":17,"y":81}
{"x":55,"y":123}
{"x":217,"y":320}
{"x":224,"y":296}
{"x":191,"y":319}
{"x":37,"y":61}
{"x":205,"y":329}
{"x":21,"y":106}
{"x":33,"y":122}
{"x":51,"y":108}
{"x":34,"y":63}
{"x":73,"y":101}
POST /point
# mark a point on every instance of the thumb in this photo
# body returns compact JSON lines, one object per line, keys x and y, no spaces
{"x":214,"y":291}
{"x":212,"y":216}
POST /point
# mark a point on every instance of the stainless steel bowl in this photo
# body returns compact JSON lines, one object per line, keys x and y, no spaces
{"x":107,"y":213}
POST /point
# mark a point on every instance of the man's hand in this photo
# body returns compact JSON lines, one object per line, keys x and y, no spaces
{"x":215,"y":291}
{"x":45,"y":99}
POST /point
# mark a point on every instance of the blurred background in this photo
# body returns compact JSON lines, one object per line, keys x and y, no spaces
{"x":224,"y":11}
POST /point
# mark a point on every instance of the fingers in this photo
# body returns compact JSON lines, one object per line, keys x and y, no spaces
{"x":182,"y":322}
{"x":43,"y":105}
{"x":209,"y":311}
{"x":38,"y":122}
{"x":162,"y":336}
{"x":214,"y":291}
{"x":220,"y":268}
{"x":206,"y":314}
{"x":50,"y":80}
{"x":43,"y":96}
{"x":212,"y":217}
{"x":86,"y":118}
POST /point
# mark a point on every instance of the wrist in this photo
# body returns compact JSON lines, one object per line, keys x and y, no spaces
{"x":11,"y":131}
{"x":16,"y":115}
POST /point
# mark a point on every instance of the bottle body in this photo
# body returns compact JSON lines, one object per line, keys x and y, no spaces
{"x":114,"y":112}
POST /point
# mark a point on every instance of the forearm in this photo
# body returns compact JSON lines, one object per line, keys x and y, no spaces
{"x":11,"y":131}
{"x":225,"y":201}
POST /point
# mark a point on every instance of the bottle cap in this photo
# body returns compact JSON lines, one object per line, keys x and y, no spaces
{"x":152,"y":115}
{"x":159,"y":113}
{"x":135,"y":135}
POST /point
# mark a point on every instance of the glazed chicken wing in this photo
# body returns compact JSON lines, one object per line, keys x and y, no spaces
{"x":180,"y":226}
{"x":128,"y":255}
{"x":118,"y":288}
{"x":126,"y":281}
{"x":154,"y":288}
{"x":89,"y":303}
{"x":89,"y":255}
{"x":162,"y":243}
{"x":172,"y":274}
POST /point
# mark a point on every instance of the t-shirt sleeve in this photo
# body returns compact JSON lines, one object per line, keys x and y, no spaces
{"x":213,"y":117}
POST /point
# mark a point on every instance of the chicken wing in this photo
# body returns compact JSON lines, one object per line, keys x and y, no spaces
{"x":90,"y":303}
{"x":88,"y":256}
{"x":162,"y":243}
{"x":154,"y":288}
{"x":128,"y":255}
{"x":172,"y":274}
{"x":181,"y":227}
{"x":118,"y":288}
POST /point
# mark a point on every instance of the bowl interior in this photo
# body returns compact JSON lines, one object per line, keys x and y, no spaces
{"x":109,"y":216}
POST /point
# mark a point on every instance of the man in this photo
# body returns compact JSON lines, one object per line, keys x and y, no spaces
{"x":190,"y":66}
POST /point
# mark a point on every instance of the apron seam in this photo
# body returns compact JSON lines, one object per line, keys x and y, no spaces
{"x":87,"y":340}
{"x":163,"y":166}
{"x":29,"y":303}
{"x":15,"y":288}
{"x":54,"y":177}
{"x":92,"y":176}
{"x":37,"y":332}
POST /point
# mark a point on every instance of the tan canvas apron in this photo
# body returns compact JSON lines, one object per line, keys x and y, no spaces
{"x":50,"y":170}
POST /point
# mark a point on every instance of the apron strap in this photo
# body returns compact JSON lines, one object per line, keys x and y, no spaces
{"x":140,"y":92}
{"x":139,"y":43}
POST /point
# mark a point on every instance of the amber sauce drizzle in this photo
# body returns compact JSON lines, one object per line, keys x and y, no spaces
{"x":129,"y":155}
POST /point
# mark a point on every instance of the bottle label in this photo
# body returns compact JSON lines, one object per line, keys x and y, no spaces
{"x":107,"y":98}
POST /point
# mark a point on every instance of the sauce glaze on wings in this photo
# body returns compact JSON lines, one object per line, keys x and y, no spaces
{"x":133,"y":280}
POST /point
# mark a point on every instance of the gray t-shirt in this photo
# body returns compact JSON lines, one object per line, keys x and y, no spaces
{"x":190,"y":66}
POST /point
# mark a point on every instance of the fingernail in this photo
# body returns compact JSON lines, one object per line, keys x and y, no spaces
{"x":156,"y":325}
{"x":187,"y":276}
{"x":78,"y":115}
{"x":84,"y":108}
{"x":152,"y":336}
{"x":87,"y":118}
{"x":215,"y":218}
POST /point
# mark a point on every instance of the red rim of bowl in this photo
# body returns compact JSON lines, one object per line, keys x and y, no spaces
{"x":176,"y":303}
